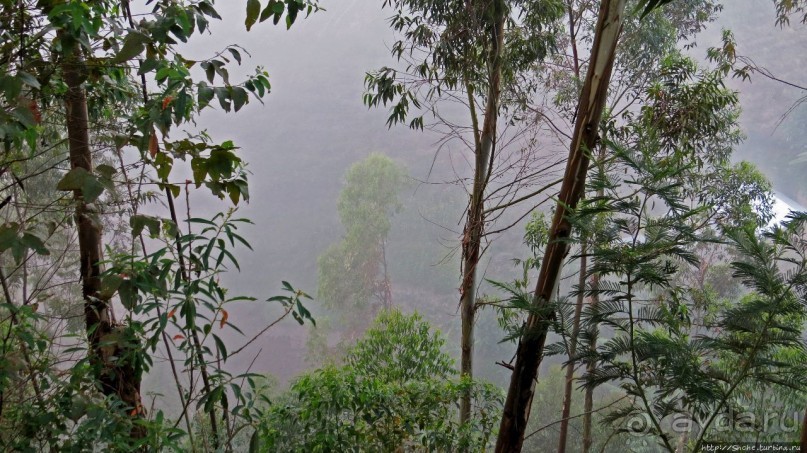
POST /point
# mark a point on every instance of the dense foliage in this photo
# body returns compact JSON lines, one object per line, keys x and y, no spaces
{"x":672,"y":304}
{"x":396,"y":391}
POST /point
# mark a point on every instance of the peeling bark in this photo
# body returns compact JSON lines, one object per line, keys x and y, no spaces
{"x":474,"y":227}
{"x":589,"y":111}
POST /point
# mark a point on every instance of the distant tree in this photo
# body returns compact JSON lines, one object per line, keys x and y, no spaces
{"x":353,"y":275}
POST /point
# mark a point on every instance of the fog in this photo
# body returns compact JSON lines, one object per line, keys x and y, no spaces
{"x":313,"y":127}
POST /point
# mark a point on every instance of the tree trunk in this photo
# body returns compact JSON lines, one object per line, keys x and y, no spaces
{"x":585,"y":136}
{"x":567,"y":391}
{"x":588,"y":401}
{"x":591,"y":365}
{"x":107,"y":348}
{"x":803,"y":448}
{"x":474,"y":227}
{"x":387,"y":288}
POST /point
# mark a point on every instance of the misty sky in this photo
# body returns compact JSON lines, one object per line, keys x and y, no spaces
{"x":313,"y":126}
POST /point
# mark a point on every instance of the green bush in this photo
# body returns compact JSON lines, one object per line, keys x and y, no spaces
{"x":396,"y":392}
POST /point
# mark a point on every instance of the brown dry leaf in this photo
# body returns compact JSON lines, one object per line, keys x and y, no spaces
{"x":154,"y":145}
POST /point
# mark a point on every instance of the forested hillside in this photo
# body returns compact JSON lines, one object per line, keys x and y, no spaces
{"x":403,"y":225}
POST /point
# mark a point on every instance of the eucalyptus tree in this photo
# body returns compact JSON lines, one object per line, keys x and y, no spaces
{"x":353,"y":272}
{"x":645,"y":41}
{"x":476,"y":53}
{"x":588,"y":112}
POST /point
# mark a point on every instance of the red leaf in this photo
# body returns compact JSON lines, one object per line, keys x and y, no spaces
{"x":179,"y":337}
{"x":34,"y":108}
{"x":171,"y":313}
{"x":224,"y":316}
{"x":167,"y":100}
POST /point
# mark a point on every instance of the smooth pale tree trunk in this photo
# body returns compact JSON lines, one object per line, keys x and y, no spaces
{"x":116,"y":376}
{"x":475,"y":222}
{"x":591,"y":365}
{"x":387,"y":286}
{"x":584,"y":138}
{"x":567,"y":391}
{"x":588,"y":400}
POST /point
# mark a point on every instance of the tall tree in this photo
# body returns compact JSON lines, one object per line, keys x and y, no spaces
{"x":584,"y":138}
{"x":645,"y":41}
{"x":116,"y":375}
{"x":472,"y":51}
{"x":73,"y":62}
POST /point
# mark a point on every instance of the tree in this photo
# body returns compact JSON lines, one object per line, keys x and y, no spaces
{"x":668,"y":371}
{"x":530,"y":348}
{"x":674,"y":155}
{"x":353,"y":271}
{"x":646,"y":39}
{"x":397,"y":390}
{"x":76,"y":64}
{"x":476,"y":53}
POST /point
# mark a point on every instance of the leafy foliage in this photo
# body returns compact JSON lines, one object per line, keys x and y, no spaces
{"x":139,"y":89}
{"x":395,"y":392}
{"x":659,"y":215}
{"x":447,"y":45}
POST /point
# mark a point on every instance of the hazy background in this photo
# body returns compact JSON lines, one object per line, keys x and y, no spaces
{"x":313,"y":126}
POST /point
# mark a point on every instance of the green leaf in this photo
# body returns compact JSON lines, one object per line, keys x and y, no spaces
{"x":239,"y":97}
{"x":208,"y":9}
{"x":83,"y":181}
{"x":109,"y":285}
{"x":220,"y":346}
{"x":133,"y":45}
{"x":234,"y":192}
{"x":92,"y":189}
{"x":141,"y":221}
{"x":128,"y":294}
{"x":253,"y":10}
{"x":268,"y":11}
{"x":73,"y":179}
{"x":254,"y":443}
{"x":292,"y":8}
{"x":175,"y":190}
{"x":236,"y":54}
{"x":28,"y":79}
{"x":149,"y":64}
{"x":650,"y":5}
{"x":8,"y":235}
{"x":205,"y":95}
{"x":170,"y":227}
{"x":199,"y":167}
{"x":224,"y":97}
{"x":210,"y":70}
{"x":34,"y":243}
{"x":106,"y":171}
